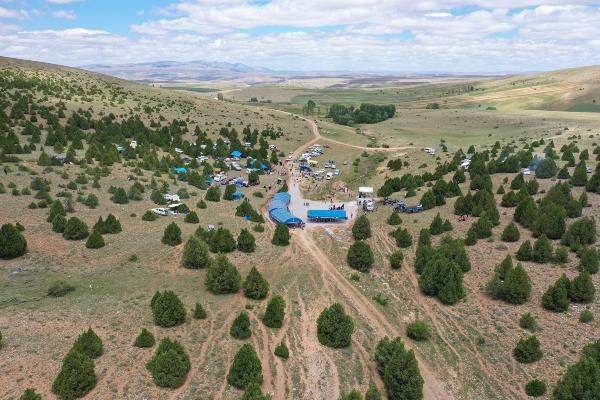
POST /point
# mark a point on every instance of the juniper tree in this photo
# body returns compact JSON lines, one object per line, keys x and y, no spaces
{"x":255,"y":286}
{"x":361,"y":229}
{"x":528,"y":350}
{"x":240,"y":328}
{"x":360,"y":256}
{"x":402,"y":378}
{"x":95,"y":240}
{"x":335,"y":327}
{"x":144,"y":339}
{"x":76,"y":377}
{"x":275,"y":312}
{"x":282,"y":351}
{"x":437,"y":226}
{"x":222,"y":276}
{"x":168,"y":310}
{"x":195,"y":253}
{"x":282,"y":235}
{"x":199,"y":312}
{"x":172,"y":235}
{"x":246,"y":242}
{"x":245,"y":369}
{"x":75,"y":229}
{"x":170,"y":364}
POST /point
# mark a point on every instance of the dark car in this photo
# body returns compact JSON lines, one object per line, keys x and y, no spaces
{"x":390,"y":201}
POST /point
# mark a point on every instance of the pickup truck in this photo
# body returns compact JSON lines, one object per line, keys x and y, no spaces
{"x":409,"y":210}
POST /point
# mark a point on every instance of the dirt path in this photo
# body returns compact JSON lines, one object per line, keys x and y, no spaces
{"x":433,"y":388}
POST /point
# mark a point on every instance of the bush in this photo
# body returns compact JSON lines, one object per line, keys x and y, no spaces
{"x":254,"y":392}
{"x":240,"y":329}
{"x":168,"y":310}
{"x":59,"y":288}
{"x":191,"y":218}
{"x":517,"y":285}
{"x":361,"y":230}
{"x":360,"y":256}
{"x":246,"y":242}
{"x":195,"y":253}
{"x":120,"y":197}
{"x":149,"y":216}
{"x":535,"y":388}
{"x":511,"y":233}
{"x":12,"y":242}
{"x":418,"y":330}
{"x":229,"y":191}
{"x":447,"y":227}
{"x":396,"y":259}
{"x":246,"y":368}
{"x":384,"y":351}
{"x":90,"y":344}
{"x":282,"y":235}
{"x":402,"y":378}
{"x":258,"y":228}
{"x":201,"y":204}
{"x":586,"y":316}
{"x":527,"y":321}
{"x":172,"y":235}
{"x":528,"y":350}
{"x":170,"y":365}
{"x":589,"y":260}
{"x":144,"y":339}
{"x":275,"y":312}
{"x":542,"y":250}
{"x":525,"y":252}
{"x":282,"y":351}
{"x":30,"y":394}
{"x":394,"y":219}
{"x":582,"y":231}
{"x":199,"y":312}
{"x":582,"y":288}
{"x":561,"y":254}
{"x":403,"y":238}
{"x":91,"y":201}
{"x":213,"y":194}
{"x":424,"y":238}
{"x":75,"y":229}
{"x":222,"y":276}
{"x":222,"y":241}
{"x":437,"y":226}
{"x":255,"y":286}
{"x":95,"y":241}
{"x":335,"y":327}
{"x":76,"y":377}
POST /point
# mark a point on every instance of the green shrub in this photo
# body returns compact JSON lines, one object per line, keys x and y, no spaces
{"x":437,"y":225}
{"x":213,"y":194}
{"x":170,"y":365}
{"x":525,"y":252}
{"x":282,"y":351}
{"x":246,"y":242}
{"x":335,"y":327}
{"x":418,"y":330}
{"x":76,"y":377}
{"x":535,"y":388}
{"x":528,"y":350}
{"x":144,"y":339}
{"x":396,"y":259}
{"x":361,"y":230}
{"x":30,"y":394}
{"x":120,"y":197}
{"x":561,"y":254}
{"x":201,"y":205}
{"x":149,"y":216}
{"x":255,"y":286}
{"x":394,"y":219}
{"x":199,"y":312}
{"x":89,"y":344}
{"x":59,"y":288}
{"x":511,"y":233}
{"x":191,"y":218}
{"x":542,"y":250}
{"x":275,"y":312}
{"x":589,"y":260}
{"x":12,"y":242}
{"x":254,"y":392}
{"x":195,"y":253}
{"x":222,"y":276}
{"x":246,"y":368}
{"x":172,"y":235}
{"x":258,"y":228}
{"x":586,"y":316}
{"x":360,"y":256}
{"x":527,"y":321}
{"x":402,"y":379}
{"x":94,"y":241}
{"x":75,"y":229}
{"x":240,"y":329}
{"x":282,"y":235}
{"x":403,"y":238}
{"x":168,"y":310}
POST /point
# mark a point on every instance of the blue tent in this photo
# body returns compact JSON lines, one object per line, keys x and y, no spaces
{"x":263,"y":166}
{"x":283,"y":196}
{"x":326,"y":215}
{"x":180,"y":170}
{"x":237,"y":195}
{"x":280,"y":216}
{"x":251,"y":162}
{"x":236,"y":153}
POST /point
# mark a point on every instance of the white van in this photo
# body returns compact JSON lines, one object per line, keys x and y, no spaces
{"x":329,"y":176}
{"x":161,"y":211}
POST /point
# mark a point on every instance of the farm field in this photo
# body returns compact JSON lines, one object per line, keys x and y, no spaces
{"x":469,"y":354}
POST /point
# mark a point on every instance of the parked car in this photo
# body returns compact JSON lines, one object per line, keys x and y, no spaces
{"x":390,"y":201}
{"x":589,"y":170}
{"x":160,"y":211}
{"x":336,"y":172}
{"x":329,"y":176}
{"x":177,"y":150}
{"x":526,"y":171}
{"x":319,"y":178}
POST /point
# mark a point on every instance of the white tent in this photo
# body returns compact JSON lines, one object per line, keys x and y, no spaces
{"x":364,"y":189}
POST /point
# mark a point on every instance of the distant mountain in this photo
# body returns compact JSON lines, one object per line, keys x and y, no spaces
{"x":174,"y":71}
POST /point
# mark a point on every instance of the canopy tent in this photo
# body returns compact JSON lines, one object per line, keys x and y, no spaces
{"x":237,"y":195}
{"x":313,"y":162}
{"x":364,"y":189}
{"x":283,"y":196}
{"x":327,"y":215}
{"x":277,"y":204}
{"x":180,"y":170}
{"x":283,"y":216}
{"x":174,"y":206}
{"x":236,"y":153}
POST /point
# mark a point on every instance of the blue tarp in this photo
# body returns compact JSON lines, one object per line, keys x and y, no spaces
{"x":180,"y":170}
{"x":275,"y":204}
{"x":238,"y":195}
{"x":283,"y":196}
{"x":263,"y":166}
{"x":236,"y":153}
{"x":326,"y":214}
{"x":280,"y":215}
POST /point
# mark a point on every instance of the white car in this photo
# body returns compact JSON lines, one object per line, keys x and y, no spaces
{"x":336,"y":172}
{"x":177,"y":150}
{"x":329,"y":176}
{"x":290,"y":158}
{"x":332,"y":166}
{"x":292,"y":152}
{"x":527,"y":171}
{"x":160,"y":211}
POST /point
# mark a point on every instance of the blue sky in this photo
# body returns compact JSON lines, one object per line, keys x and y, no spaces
{"x":312,"y":35}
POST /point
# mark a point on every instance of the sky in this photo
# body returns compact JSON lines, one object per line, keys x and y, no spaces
{"x":443,"y":36}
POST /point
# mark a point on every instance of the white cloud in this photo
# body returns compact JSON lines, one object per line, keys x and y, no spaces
{"x":63,"y":1}
{"x":14,"y":14}
{"x":6,"y":28}
{"x":69,"y":15}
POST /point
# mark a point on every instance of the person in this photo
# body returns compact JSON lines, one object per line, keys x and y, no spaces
{"x":351,"y":215}
{"x":5,"y":172}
